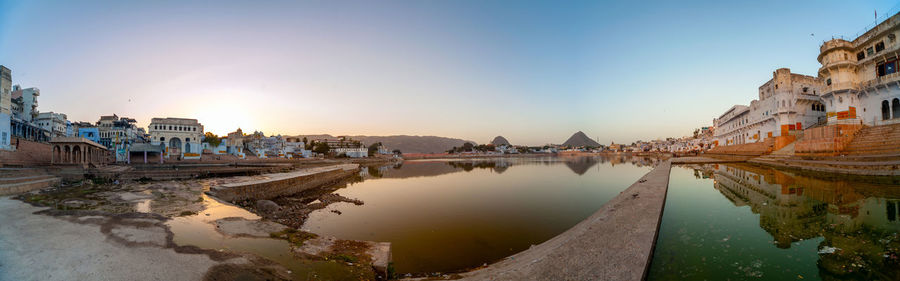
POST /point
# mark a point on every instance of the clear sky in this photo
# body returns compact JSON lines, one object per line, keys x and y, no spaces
{"x":534,"y":72}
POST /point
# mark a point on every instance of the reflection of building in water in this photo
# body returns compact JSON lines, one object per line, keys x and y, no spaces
{"x":859,"y":218}
{"x":784,"y":212}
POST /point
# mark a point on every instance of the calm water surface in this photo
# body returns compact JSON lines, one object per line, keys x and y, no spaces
{"x":742,"y":222}
{"x":449,"y":215}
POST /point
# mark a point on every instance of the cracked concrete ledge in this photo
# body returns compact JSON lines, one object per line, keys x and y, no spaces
{"x":615,"y":243}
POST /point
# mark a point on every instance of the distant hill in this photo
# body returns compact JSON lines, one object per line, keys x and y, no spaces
{"x":500,"y":140}
{"x":406,"y":144}
{"x":580,"y":139}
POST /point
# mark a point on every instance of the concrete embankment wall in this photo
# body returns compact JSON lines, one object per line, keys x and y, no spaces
{"x":748,"y":149}
{"x":826,"y":141}
{"x":27,"y":154}
{"x":615,"y":243}
{"x":283,"y":184}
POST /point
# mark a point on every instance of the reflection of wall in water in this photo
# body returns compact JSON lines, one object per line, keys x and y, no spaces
{"x":784,"y":212}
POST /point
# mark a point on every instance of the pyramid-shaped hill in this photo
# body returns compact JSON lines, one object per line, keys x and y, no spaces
{"x":500,"y":140}
{"x":579,"y":139}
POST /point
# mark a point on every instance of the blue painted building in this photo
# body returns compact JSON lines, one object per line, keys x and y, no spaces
{"x":91,"y":133}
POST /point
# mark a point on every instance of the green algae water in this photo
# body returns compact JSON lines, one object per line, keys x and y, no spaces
{"x":452,"y":215}
{"x":746,"y":222}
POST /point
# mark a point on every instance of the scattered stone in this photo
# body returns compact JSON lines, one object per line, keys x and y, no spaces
{"x":267,"y":207}
{"x":237,"y":226}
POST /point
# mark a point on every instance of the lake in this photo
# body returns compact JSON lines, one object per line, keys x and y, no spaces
{"x":743,"y":222}
{"x":452,"y":215}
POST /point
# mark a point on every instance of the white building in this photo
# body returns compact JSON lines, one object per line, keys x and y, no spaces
{"x":180,"y":136}
{"x":352,"y":152}
{"x":862,"y":82}
{"x":235,"y":143}
{"x":55,"y":123}
{"x":787,"y":102}
{"x":24,"y":103}
{"x":5,"y":107}
{"x":295,"y":147}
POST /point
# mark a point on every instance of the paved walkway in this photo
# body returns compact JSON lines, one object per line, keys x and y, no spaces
{"x":42,"y":247}
{"x":615,"y":243}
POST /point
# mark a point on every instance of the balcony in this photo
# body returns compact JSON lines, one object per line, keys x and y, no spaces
{"x":880,"y":80}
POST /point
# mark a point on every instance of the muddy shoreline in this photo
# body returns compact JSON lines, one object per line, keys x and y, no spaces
{"x":142,"y":215}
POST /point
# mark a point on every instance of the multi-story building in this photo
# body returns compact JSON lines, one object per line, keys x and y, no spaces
{"x":91,"y":133}
{"x":24,"y":103}
{"x":24,"y":111}
{"x":5,"y":107}
{"x":180,"y":136}
{"x":861,"y":76}
{"x":788,"y":102}
{"x":55,"y":123}
{"x":295,"y":147}
{"x":235,"y":143}
{"x":118,"y":132}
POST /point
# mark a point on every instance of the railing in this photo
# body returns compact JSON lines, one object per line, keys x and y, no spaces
{"x":881,"y":79}
{"x":878,"y":20}
{"x":884,"y":16}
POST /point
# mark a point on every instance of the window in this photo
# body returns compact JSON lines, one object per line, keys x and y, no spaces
{"x":860,"y":55}
{"x":870,"y":51}
{"x":879,"y":46}
{"x":828,"y":81}
{"x":162,"y":138}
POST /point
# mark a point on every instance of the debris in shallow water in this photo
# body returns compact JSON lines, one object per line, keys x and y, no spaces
{"x":827,"y":250}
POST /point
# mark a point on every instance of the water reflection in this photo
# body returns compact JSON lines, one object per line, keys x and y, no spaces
{"x":432,"y":167}
{"x":447,"y":215}
{"x":817,"y":225}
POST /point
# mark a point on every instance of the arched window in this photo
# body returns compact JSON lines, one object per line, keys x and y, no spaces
{"x":895,"y":105}
{"x":162,"y":138}
{"x":814,"y":108}
{"x":885,"y":110}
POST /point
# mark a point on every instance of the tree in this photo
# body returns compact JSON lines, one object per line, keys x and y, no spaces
{"x":397,"y":152}
{"x":321,"y":147}
{"x":212,"y":139}
{"x":374,"y":149}
{"x":467,"y":147}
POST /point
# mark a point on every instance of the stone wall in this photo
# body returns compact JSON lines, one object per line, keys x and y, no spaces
{"x":26,"y":154}
{"x":284,"y":184}
{"x":828,"y":140}
{"x":748,"y":149}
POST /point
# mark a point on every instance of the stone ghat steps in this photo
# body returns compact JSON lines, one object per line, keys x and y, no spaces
{"x":14,"y":181}
{"x":883,"y":140}
{"x":20,"y":172}
{"x":11,"y":180}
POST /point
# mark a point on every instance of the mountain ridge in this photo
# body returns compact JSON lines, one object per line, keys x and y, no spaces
{"x":580,"y":139}
{"x":405,"y":143}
